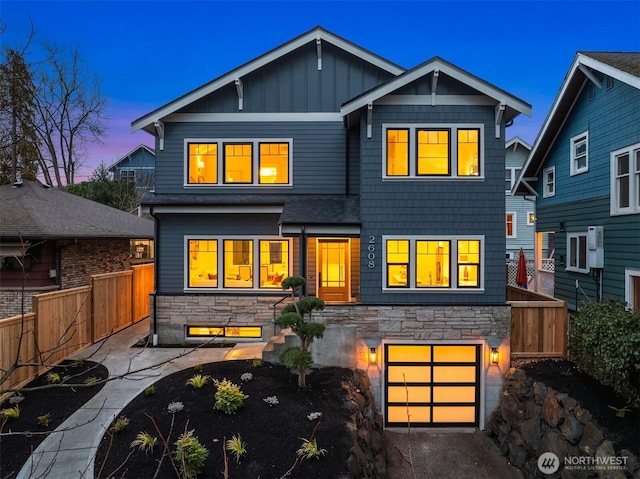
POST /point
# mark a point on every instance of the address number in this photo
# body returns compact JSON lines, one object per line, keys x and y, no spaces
{"x":371,"y":248}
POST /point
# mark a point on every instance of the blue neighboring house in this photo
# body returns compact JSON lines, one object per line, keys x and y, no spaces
{"x":520,"y":212}
{"x":382,"y":186}
{"x":584,"y":169}
{"x":139,"y":165}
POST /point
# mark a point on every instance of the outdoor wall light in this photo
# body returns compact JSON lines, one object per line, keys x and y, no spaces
{"x":495,"y":355}
{"x":373,"y":356}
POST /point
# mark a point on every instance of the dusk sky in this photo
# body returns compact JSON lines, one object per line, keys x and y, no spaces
{"x":148,"y":53}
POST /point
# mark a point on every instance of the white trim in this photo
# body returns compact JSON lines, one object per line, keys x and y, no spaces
{"x":257,"y":117}
{"x":514,"y":228}
{"x":220,"y":261}
{"x":545,"y":184}
{"x":261,"y":61}
{"x":453,"y":276}
{"x":453,"y":151}
{"x":634,"y":182}
{"x":255,"y":162}
{"x":576,"y":269}
{"x":576,"y":140}
{"x":628,"y":288}
{"x":437,"y":64}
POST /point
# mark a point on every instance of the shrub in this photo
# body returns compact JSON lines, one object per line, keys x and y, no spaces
{"x":120,"y":424}
{"x":150,"y":390}
{"x":229,"y":397}
{"x":44,"y":419}
{"x":198,"y":380}
{"x":11,"y":412}
{"x":189,"y":455}
{"x":237,"y":447}
{"x":144,"y":442}
{"x":604,"y":340}
{"x":310,"y":449}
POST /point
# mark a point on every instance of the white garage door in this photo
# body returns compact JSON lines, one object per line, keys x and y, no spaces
{"x":432,"y":385}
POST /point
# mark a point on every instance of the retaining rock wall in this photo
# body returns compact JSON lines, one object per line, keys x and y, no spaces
{"x":533,"y":419}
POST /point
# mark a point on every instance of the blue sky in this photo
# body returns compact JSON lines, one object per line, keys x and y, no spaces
{"x":148,"y":53}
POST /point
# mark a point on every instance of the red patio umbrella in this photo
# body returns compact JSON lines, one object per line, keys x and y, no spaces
{"x":521,"y":274}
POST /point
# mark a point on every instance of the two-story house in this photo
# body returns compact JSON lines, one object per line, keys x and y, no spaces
{"x":382,"y":186}
{"x":520,"y":212}
{"x":584,"y":168}
{"x":139,"y":166}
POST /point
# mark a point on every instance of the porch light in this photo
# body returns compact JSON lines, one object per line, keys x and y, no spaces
{"x":495,"y":355}
{"x":373,"y":356}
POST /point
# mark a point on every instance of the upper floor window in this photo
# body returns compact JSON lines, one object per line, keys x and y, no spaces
{"x":577,"y":252}
{"x":625,"y":181}
{"x":510,"y":176}
{"x":531,"y":218}
{"x":510,"y":220}
{"x":580,"y":153}
{"x":425,"y":263}
{"x":238,"y":162}
{"x":549,"y":182}
{"x":237,"y":263}
{"x":417,"y":151}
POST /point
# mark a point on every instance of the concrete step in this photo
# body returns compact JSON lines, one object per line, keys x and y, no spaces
{"x":274,"y":347}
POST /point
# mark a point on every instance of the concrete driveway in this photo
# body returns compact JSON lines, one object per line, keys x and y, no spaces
{"x":446,"y":454}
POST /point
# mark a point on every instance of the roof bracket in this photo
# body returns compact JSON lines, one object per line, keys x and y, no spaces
{"x":369,"y":119}
{"x":240,"y":90}
{"x":159,"y":126}
{"x":500,"y":107}
{"x":319,"y":52}
{"x":590,"y":75}
{"x":434,"y":85}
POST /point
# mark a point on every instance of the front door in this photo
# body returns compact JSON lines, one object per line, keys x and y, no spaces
{"x":333,"y":269}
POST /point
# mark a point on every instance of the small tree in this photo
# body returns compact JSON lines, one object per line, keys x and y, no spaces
{"x":299,"y":359}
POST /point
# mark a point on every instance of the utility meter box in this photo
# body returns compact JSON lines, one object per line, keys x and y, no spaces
{"x":595,"y":247}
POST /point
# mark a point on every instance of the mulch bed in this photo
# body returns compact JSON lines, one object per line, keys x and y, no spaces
{"x":564,"y":376}
{"x":58,"y":400}
{"x":273,"y":434}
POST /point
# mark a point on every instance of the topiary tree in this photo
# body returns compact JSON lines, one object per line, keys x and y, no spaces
{"x":299,"y":359}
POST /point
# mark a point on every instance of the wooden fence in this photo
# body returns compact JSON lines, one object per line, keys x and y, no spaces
{"x":538,"y":324}
{"x":63,"y":322}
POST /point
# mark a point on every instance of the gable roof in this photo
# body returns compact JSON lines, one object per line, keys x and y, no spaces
{"x":130,"y":154}
{"x":622,"y":66}
{"x":146,"y":122}
{"x":514,"y":106}
{"x":515,"y":141}
{"x":32,"y":210}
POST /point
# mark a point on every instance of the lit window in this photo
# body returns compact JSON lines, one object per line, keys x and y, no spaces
{"x":203,"y":264}
{"x":274,"y":263}
{"x":433,"y":152}
{"x":274,"y":163}
{"x":203,"y":163}
{"x":579,"y":154}
{"x":531,"y":218}
{"x":238,"y":263}
{"x":468,"y":152}
{"x":426,"y":263}
{"x":549,"y":182}
{"x":511,"y":225}
{"x":625,"y":181}
{"x":397,"y":263}
{"x":415,"y":151}
{"x":577,"y":252}
{"x":237,"y":163}
{"x":397,"y":152}
{"x":235,"y":332}
{"x":432,"y":264}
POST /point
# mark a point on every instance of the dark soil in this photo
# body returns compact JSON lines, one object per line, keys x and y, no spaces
{"x":59,"y":400}
{"x":564,"y":376}
{"x":272,"y":434}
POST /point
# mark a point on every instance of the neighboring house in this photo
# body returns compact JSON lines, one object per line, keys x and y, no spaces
{"x":382,"y":186}
{"x":139,"y":165}
{"x":584,"y":169}
{"x":62,"y":239}
{"x":519,"y":211}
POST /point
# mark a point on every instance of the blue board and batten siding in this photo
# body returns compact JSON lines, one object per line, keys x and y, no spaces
{"x":434,"y":207}
{"x":294,"y":84}
{"x":612,"y":120}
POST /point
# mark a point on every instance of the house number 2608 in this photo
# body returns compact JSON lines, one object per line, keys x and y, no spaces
{"x":371,"y":256}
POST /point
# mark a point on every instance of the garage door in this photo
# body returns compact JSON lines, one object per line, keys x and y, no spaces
{"x":432,"y":385}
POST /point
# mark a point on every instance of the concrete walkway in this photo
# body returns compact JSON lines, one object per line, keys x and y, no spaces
{"x":68,"y":453}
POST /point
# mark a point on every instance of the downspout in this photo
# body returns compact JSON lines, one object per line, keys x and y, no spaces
{"x":303,"y":258}
{"x":156,"y":230}
{"x":347,"y":159}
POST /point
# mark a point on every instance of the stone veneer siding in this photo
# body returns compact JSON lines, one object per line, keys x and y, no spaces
{"x":350,"y":327}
